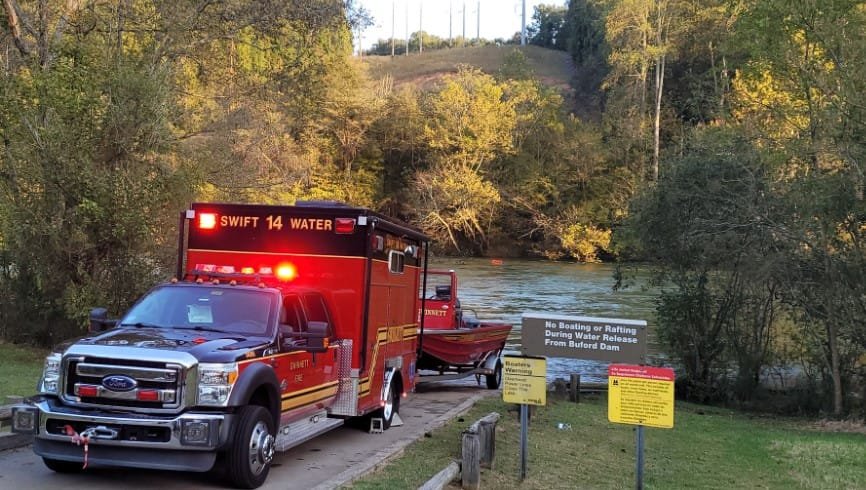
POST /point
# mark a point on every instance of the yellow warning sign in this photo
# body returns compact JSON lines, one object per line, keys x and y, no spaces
{"x":640,"y":395}
{"x":524,"y":380}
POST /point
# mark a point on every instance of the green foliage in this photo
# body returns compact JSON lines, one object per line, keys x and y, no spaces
{"x":86,"y":188}
{"x":707,"y":226}
{"x":547,"y":27}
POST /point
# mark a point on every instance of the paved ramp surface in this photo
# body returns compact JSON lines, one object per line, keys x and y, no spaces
{"x":324,"y":462}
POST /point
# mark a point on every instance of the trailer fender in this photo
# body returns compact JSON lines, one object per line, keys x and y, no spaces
{"x":490,"y":362}
{"x":247,"y":389}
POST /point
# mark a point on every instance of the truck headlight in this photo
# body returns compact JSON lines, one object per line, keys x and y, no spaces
{"x":215,"y":382}
{"x":49,"y":384}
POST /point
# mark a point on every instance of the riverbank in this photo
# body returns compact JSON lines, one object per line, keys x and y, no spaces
{"x":708,"y":448}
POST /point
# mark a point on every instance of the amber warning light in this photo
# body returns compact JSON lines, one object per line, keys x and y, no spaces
{"x":207,"y":221}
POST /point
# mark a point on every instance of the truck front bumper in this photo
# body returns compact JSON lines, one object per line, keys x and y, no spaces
{"x":186,"y":442}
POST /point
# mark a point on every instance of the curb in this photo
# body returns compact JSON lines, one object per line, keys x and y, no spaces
{"x":14,"y":441}
{"x":381,"y":458}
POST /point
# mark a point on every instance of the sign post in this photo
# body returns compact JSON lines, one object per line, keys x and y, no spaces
{"x":524,"y":381}
{"x":642,"y":396}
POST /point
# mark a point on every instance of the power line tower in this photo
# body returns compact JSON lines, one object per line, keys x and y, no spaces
{"x":407,"y":29}
{"x":478,"y":22}
{"x":463,"y":41}
{"x":420,"y":27}
{"x":450,"y":22}
{"x":523,"y":24}
{"x":393,"y":22}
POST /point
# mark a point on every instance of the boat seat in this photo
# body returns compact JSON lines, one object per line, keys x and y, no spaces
{"x":443,"y":293}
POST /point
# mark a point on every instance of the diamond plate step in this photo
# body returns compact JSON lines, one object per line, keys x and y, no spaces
{"x":302,"y":431}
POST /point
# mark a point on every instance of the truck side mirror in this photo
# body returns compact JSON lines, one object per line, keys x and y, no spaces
{"x":99,"y":321}
{"x":317,"y":340}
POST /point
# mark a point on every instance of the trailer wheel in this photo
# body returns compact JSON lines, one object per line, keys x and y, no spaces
{"x":392,"y":406}
{"x":252,"y":449}
{"x":60,"y":466}
{"x":495,"y":379}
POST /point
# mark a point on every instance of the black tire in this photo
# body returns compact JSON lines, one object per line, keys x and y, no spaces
{"x":392,"y":406}
{"x":248,"y":459}
{"x":495,"y":379}
{"x":61,"y":466}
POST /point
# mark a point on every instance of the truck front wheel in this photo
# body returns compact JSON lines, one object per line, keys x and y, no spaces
{"x":252,"y":449}
{"x":61,"y":466}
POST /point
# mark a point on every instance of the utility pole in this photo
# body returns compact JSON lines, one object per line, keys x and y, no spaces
{"x":420,"y":27}
{"x":393,"y":21}
{"x":463,"y":42}
{"x":478,"y":23}
{"x":407,"y":29}
{"x":450,"y":22}
{"x":523,"y":25}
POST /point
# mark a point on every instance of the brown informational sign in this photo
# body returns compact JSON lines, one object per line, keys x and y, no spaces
{"x":583,"y":337}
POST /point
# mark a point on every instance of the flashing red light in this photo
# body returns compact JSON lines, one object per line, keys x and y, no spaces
{"x":286,"y":272}
{"x":207,"y":221}
{"x":88,"y":390}
{"x":148,"y":395}
{"x":344,"y":225}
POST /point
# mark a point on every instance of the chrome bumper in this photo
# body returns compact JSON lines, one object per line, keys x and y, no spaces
{"x":186,"y":432}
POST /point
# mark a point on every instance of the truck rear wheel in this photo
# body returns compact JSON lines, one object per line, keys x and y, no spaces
{"x":252,"y":449}
{"x":60,"y":466}
{"x":495,"y":379}
{"x":392,"y":406}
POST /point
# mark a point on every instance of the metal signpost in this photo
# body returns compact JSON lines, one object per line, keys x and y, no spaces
{"x":642,"y":396}
{"x":524,"y":381}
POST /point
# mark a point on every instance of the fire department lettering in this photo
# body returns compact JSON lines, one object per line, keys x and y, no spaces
{"x":239,"y":221}
{"x":429,"y":312}
{"x":299,"y":364}
{"x":314,"y":224}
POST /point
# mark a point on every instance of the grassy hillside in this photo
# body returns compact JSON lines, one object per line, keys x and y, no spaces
{"x":552,"y":67}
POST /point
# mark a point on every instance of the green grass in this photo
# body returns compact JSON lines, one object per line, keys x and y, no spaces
{"x":21,"y":368}
{"x":708,"y":448}
{"x":552,"y":67}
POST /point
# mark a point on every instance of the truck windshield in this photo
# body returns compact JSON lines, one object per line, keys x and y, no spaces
{"x":227,"y":310}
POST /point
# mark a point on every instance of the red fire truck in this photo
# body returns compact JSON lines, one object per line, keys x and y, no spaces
{"x":283,"y":322}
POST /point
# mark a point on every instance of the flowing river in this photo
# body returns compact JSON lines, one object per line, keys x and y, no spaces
{"x":506,"y":291}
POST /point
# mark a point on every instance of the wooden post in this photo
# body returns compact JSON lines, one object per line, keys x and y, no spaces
{"x":470,"y":468}
{"x":478,"y":449}
{"x":574,"y":388}
{"x":487,"y":431}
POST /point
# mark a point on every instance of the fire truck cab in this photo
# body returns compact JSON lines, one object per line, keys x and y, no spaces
{"x":283,"y":322}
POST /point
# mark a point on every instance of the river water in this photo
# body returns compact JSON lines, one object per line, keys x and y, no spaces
{"x":517,"y":286}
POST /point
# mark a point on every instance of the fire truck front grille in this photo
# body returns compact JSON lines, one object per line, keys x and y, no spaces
{"x":124,"y":432}
{"x":123,"y":383}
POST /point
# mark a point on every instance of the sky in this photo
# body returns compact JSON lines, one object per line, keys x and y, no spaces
{"x":499,"y":18}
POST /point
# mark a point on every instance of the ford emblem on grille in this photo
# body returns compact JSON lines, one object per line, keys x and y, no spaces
{"x":119,"y":382}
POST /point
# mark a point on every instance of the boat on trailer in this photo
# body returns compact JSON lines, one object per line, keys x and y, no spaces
{"x":454,"y":342}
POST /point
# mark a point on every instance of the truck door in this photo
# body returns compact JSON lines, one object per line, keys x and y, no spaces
{"x":308,"y":379}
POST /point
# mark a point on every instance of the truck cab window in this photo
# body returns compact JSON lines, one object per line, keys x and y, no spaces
{"x":316,"y":310}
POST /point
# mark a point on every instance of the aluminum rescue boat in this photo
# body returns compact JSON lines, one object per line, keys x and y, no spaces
{"x":454,"y":342}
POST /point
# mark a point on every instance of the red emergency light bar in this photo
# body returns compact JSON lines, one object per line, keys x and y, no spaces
{"x":284,"y":272}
